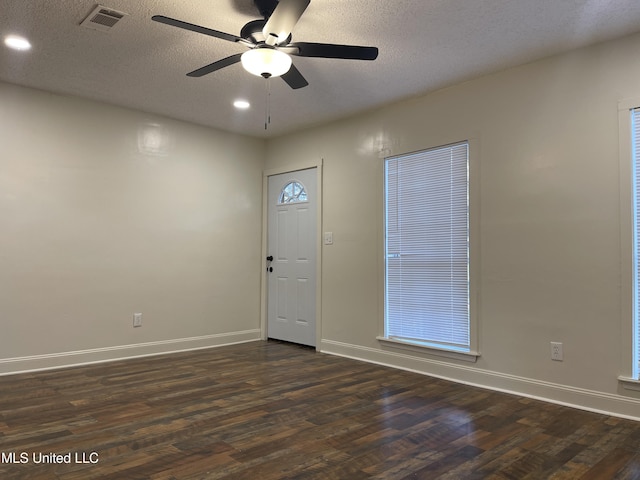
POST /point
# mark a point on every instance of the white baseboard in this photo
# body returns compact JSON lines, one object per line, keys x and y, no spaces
{"x":9,"y":366}
{"x":593,"y":401}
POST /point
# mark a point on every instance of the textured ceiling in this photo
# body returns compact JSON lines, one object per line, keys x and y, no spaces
{"x":424,"y":45}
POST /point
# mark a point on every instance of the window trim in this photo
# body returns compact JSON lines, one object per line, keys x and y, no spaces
{"x":424,"y":347}
{"x":630,"y":371}
{"x":474,"y":352}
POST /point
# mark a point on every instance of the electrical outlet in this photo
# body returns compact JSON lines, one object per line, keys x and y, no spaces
{"x":137,"y":319}
{"x":556,"y":351}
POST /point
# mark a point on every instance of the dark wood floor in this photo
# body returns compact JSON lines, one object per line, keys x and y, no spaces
{"x":270,"y":410}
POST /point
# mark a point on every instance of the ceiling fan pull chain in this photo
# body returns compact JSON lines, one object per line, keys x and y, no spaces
{"x":267,"y":111}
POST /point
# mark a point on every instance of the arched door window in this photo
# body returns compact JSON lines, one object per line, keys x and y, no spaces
{"x":293,"y":192}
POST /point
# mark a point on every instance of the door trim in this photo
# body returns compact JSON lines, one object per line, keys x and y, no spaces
{"x":290,"y":168}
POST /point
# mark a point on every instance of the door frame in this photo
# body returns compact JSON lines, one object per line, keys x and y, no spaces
{"x":264,"y":298}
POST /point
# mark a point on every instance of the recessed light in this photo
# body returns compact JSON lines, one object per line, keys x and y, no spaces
{"x":241,"y":104}
{"x":17,"y":43}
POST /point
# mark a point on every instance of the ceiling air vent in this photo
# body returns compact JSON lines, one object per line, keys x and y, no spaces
{"x":102,"y":18}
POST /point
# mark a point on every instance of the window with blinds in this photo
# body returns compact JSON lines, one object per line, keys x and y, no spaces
{"x":427,"y":248}
{"x":635,"y":151}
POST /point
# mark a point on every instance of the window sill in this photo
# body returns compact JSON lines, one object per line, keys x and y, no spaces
{"x":416,"y":347}
{"x":630,"y":383}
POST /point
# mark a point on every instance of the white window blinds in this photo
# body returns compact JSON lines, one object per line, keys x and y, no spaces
{"x":635,"y":148}
{"x":427,"y":247}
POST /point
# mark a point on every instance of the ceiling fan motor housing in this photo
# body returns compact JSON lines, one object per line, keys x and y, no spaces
{"x":253,"y":31}
{"x":266,"y":7}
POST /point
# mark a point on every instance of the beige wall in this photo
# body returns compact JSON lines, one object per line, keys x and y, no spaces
{"x":546,"y":139}
{"x":106,"y":212}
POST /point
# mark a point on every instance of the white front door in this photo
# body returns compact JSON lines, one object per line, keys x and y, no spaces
{"x":291,"y":241}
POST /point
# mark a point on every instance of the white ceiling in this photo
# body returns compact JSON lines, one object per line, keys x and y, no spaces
{"x":424,"y":45}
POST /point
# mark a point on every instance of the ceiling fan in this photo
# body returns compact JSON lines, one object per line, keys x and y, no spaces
{"x":269,"y":41}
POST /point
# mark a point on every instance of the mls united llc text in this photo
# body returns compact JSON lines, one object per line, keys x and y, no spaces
{"x":39,"y":457}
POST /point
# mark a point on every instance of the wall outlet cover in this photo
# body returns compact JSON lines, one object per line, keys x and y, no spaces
{"x":556,"y":351}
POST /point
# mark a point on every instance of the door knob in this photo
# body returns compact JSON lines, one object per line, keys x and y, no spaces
{"x":270,"y":258}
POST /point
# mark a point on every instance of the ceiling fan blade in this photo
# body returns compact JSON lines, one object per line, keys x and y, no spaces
{"x":294,"y":78}
{"x":212,"y":67}
{"x":329,"y":50}
{"x":283,"y":19}
{"x":198,"y":29}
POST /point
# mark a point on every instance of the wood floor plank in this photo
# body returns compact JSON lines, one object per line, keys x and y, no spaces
{"x":271,"y":410}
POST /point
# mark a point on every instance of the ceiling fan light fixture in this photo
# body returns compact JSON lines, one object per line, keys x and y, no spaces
{"x":266,"y":62}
